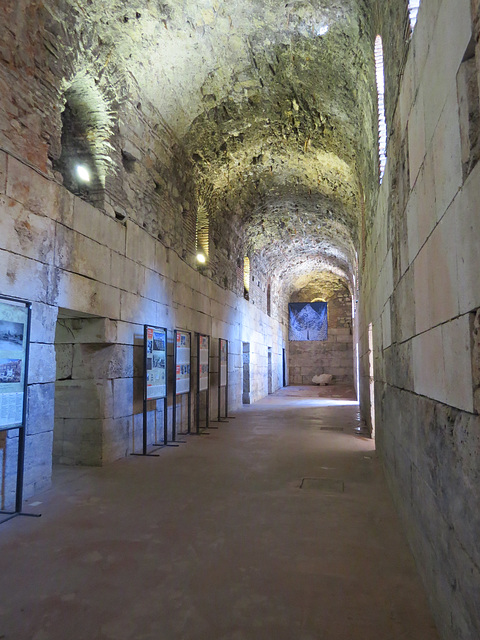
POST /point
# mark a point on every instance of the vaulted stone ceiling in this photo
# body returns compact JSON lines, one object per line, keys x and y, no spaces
{"x":274,"y":102}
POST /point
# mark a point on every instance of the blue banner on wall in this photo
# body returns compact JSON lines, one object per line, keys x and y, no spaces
{"x":308,"y":321}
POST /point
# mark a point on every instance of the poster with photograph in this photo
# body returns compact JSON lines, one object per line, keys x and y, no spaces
{"x":203,"y":363}
{"x":223,"y":362}
{"x":156,"y":358}
{"x":13,"y":348}
{"x":182,"y":373}
{"x":308,"y":321}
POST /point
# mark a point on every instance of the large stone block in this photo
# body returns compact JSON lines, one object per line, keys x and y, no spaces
{"x":403,"y":308}
{"x":127,"y":275}
{"x":25,"y":278}
{"x":451,"y":36}
{"x":3,"y":172}
{"x":421,"y":38}
{"x":79,"y":254}
{"x":447,"y":155}
{"x":406,"y":94}
{"x":398,"y":365}
{"x":82,"y":330}
{"x":436,"y":276}
{"x":183,"y":295}
{"x":428,"y":365}
{"x":80,"y":441}
{"x":84,"y":399}
{"x":136,"y":433}
{"x":83,"y":294}
{"x":128,"y":333}
{"x":128,"y":396}
{"x":442,"y":269}
{"x":41,"y":365}
{"x":102,"y":361}
{"x":116,"y":438}
{"x":158,"y":288}
{"x":421,"y":209}
{"x":97,"y":225}
{"x":38,"y":463}
{"x":38,"y":194}
{"x":25,"y":233}
{"x":57,"y":450}
{"x":166,"y":316}
{"x":457,"y":356}
{"x":468,"y":231}
{"x":138,"y":310}
{"x":140,"y":246}
{"x":40,"y":408}
{"x":416,"y":138}
{"x":383,"y":285}
{"x":76,"y":430}
{"x":443,"y":513}
{"x":44,"y":321}
{"x":166,"y":262}
{"x":190,"y":277}
{"x":422,"y":290}
{"x":29,"y":188}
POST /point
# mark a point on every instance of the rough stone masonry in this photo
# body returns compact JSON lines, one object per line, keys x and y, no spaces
{"x":249,"y":130}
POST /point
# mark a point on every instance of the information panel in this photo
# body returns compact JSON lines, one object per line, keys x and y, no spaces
{"x":182,"y":362}
{"x":223,"y":362}
{"x":13,"y":349}
{"x":203,"y":351}
{"x":156,"y":359}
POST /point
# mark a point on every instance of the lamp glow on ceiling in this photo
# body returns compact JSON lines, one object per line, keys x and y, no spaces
{"x":83,"y":173}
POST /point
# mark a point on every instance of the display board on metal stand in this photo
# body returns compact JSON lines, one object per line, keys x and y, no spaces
{"x":226,"y":388}
{"x":182,"y":383}
{"x":154,"y":380}
{"x":222,"y":379}
{"x":15,"y":319}
{"x":203,"y":378}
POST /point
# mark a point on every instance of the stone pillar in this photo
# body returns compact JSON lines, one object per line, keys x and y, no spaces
{"x":93,"y":392}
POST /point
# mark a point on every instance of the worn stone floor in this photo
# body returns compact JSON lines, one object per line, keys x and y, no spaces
{"x":219,"y":540}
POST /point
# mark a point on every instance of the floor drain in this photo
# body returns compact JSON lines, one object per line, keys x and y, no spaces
{"x":331,"y":428}
{"x":323,"y":484}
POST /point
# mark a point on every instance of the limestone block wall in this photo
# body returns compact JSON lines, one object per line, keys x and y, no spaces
{"x":72,"y":260}
{"x":333,"y":356}
{"x":420,"y":293}
{"x":92,"y":368}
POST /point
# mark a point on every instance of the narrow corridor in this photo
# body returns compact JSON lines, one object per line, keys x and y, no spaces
{"x":276,"y":526}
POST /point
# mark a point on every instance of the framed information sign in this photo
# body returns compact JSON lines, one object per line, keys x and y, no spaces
{"x":203,"y":368}
{"x":222,"y":377}
{"x":15,"y":317}
{"x":182,"y":362}
{"x":154,"y":378}
{"x":14,"y":327}
{"x":182,"y":379}
{"x":156,"y":362}
{"x":203,"y":360}
{"x":223,"y":346}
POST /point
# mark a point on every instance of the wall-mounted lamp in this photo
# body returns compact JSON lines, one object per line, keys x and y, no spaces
{"x":83,"y":174}
{"x":201,"y":258}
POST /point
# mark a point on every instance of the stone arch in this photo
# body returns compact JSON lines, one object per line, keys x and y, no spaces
{"x":88,"y":122}
{"x":89,"y":96}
